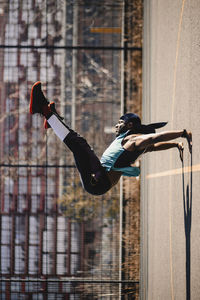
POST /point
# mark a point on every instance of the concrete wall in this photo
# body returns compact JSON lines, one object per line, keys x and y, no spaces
{"x":170,"y":204}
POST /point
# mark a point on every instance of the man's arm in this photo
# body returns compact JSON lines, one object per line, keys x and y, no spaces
{"x":143,"y":141}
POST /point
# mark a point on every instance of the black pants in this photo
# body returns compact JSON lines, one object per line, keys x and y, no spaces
{"x":93,"y":174}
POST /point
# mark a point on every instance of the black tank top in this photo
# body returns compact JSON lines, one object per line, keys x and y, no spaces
{"x":127,"y":158}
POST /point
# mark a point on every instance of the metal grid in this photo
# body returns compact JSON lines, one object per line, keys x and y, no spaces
{"x":48,"y":251}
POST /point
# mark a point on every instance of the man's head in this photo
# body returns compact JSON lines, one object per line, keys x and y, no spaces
{"x":126,"y":122}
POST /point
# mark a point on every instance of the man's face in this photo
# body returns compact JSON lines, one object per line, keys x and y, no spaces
{"x":120,"y":127}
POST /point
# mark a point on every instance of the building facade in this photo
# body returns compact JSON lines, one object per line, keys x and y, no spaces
{"x":73,"y":47}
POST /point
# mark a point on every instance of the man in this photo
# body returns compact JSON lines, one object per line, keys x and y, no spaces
{"x":132,"y":140}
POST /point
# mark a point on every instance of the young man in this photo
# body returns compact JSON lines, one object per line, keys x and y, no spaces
{"x":132,"y":140}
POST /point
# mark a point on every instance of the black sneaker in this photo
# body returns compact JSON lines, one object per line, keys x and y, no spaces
{"x":37,"y":99}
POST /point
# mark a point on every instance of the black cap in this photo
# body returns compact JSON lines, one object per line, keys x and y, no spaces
{"x":130,"y":117}
{"x":140,"y":128}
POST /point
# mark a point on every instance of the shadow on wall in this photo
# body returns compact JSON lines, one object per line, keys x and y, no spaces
{"x":187,"y":206}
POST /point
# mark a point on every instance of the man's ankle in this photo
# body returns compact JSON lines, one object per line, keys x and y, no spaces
{"x":46,"y":111}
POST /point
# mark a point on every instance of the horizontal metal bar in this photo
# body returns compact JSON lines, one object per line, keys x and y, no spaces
{"x":126,"y":48}
{"x":35,"y":166}
{"x":68,"y":280}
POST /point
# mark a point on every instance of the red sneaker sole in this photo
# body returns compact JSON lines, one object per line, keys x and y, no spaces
{"x":31,"y":97}
{"x":46,"y":125}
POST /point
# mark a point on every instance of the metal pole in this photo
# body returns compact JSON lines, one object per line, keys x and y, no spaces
{"x":63,"y":94}
{"x":69,"y":279}
{"x":105,"y":48}
{"x":121,"y":180}
{"x":74,"y":63}
{"x":146,"y":113}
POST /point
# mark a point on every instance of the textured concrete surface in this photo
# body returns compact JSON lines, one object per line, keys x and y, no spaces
{"x":170,"y":230}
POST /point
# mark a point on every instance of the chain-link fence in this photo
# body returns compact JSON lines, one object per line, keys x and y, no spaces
{"x":56,"y":241}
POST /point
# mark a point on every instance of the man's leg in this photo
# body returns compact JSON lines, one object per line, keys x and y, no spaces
{"x":93,"y":175}
{"x":87,"y":162}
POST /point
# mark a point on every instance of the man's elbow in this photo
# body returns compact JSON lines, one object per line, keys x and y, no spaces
{"x":142,"y":144}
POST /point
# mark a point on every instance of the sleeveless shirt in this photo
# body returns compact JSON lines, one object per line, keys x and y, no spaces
{"x":113,"y":152}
